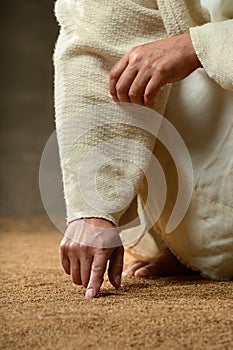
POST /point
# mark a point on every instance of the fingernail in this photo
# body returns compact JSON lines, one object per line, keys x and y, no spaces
{"x":90,"y":293}
{"x":118,"y":280}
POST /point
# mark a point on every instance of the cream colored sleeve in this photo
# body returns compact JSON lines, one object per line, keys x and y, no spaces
{"x":92,"y":167}
{"x":92,"y":129}
{"x":213,"y":43}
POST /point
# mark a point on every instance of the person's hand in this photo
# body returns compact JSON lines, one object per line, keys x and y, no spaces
{"x":139,"y":75}
{"x":87,"y":264}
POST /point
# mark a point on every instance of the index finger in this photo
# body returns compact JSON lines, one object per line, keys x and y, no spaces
{"x":98,"y":269}
{"x":114,"y":76}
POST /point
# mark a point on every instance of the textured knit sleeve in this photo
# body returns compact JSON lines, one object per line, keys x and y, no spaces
{"x":102,"y":150}
{"x":213,"y":43}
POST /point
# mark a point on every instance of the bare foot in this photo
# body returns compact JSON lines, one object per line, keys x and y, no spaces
{"x":164,"y":264}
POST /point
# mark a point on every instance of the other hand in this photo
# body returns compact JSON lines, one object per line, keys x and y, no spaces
{"x":140,"y":74}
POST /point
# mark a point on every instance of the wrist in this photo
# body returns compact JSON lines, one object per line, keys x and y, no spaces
{"x":195,"y":60}
{"x":97,"y":222}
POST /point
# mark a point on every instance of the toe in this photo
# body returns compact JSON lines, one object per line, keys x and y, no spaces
{"x":151,"y":269}
{"x":133,"y":267}
{"x":142,"y":272}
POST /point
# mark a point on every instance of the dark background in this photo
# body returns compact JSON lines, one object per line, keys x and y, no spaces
{"x":28,"y":35}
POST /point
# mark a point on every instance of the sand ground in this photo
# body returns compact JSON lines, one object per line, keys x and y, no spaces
{"x":42,"y":309}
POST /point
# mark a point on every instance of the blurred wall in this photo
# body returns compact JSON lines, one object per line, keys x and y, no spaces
{"x":28,"y":34}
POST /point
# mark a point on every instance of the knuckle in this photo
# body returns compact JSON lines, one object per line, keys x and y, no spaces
{"x":121,"y":89}
{"x":63,"y":249}
{"x":136,"y":57}
{"x":148,"y":95}
{"x":132,"y":53}
{"x":73,"y":248}
{"x":112,"y":92}
{"x":62,"y":246}
{"x":136,"y":54}
{"x":161,"y":69}
{"x":133,"y":94}
{"x":98,"y":268}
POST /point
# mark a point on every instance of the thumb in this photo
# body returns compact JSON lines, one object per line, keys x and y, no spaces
{"x":116,"y":266}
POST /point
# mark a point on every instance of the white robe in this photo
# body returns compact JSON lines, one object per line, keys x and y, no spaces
{"x":198,"y":107}
{"x":202,"y":112}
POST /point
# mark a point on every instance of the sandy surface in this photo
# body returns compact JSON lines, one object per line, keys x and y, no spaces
{"x":42,"y":309}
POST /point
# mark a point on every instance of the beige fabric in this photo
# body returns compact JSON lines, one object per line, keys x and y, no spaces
{"x":202,"y":112}
{"x":90,"y":42}
{"x":216,"y":59}
{"x":179,"y":16}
